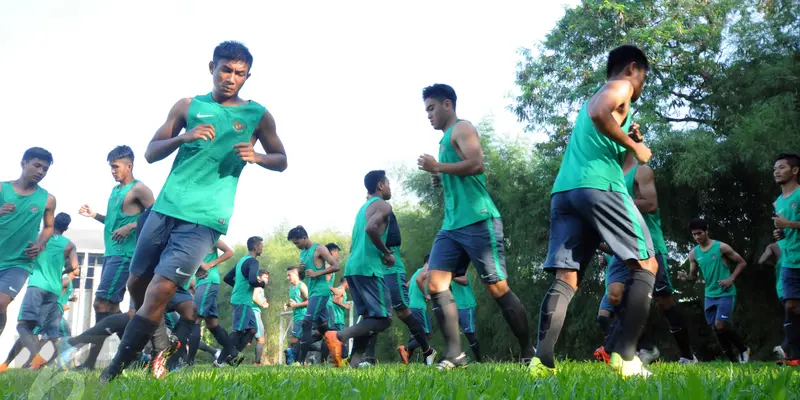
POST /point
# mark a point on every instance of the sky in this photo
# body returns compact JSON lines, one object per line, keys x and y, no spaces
{"x":343,"y":81}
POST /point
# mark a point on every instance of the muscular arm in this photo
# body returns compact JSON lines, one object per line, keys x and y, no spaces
{"x":693,"y":267}
{"x":734,"y":257}
{"x":49,"y":220}
{"x":604,"y":104}
{"x":771,"y":255}
{"x":646,"y":199}
{"x":250,"y":270}
{"x":468,"y":146}
{"x":325,"y":255}
{"x":72,"y":255}
{"x":227,"y":253}
{"x":338,"y":301}
{"x":267,"y":134}
{"x":377,"y":224}
{"x":421,"y":280}
{"x":167,"y":139}
{"x":143,"y":196}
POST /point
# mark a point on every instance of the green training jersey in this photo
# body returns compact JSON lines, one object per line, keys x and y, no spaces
{"x":778,"y":266}
{"x":116,"y":219}
{"x":592,"y":160}
{"x":63,"y":299}
{"x":213,"y":272}
{"x":466,"y":200}
{"x":20,"y":227}
{"x":653,"y":220}
{"x":338,"y":311}
{"x":415,"y":296}
{"x":713,"y":268}
{"x":242,"y":293}
{"x":398,"y":267}
{"x":317,"y":286}
{"x":294,"y":294}
{"x":201,"y":185}
{"x":463,"y":295}
{"x":47,"y":276}
{"x":789,"y":208}
{"x":365,"y":259}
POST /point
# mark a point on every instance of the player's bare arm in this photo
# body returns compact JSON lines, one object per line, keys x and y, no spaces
{"x":646,"y":197}
{"x":422,"y":282}
{"x":167,"y":138}
{"x":266,"y":133}
{"x":86,"y":211}
{"x":608,"y":109}
{"x":323,"y":254}
{"x":693,"y":268}
{"x":732,"y":257}
{"x":303,"y":295}
{"x":227,"y":253}
{"x":377,"y":221}
{"x":139,"y":198}
{"x":48,"y":221}
{"x":466,"y":142}
{"x":771,"y":255}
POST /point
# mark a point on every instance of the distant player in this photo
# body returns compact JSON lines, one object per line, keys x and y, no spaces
{"x":418,"y":298}
{"x":205,"y":298}
{"x":369,"y":258}
{"x":319,"y":266}
{"x":787,"y":229}
{"x":196,"y":203}
{"x":338,"y":304}
{"x":772,"y":257}
{"x":24,"y":206}
{"x":298,"y":301}
{"x":713,"y":258}
{"x":472,"y":230}
{"x":605,"y":312}
{"x":261,"y":303}
{"x":461,"y":286}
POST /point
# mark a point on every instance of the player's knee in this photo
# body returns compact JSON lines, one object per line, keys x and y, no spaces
{"x":793,"y":306}
{"x":211,"y":323}
{"x":568,"y":276}
{"x":498,"y":289}
{"x":100,"y":305}
{"x":720,"y":325}
{"x":603,"y":319}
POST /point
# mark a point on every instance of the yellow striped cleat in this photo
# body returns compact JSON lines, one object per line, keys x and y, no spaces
{"x":634,"y":367}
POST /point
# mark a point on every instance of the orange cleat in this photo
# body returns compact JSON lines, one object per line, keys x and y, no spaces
{"x":334,"y":347}
{"x":38,"y":362}
{"x":403,"y":354}
{"x":3,"y":367}
{"x":601,"y":355}
{"x":790,"y":362}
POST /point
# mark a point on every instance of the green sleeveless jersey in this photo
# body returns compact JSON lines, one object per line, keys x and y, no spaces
{"x":398,"y":267}
{"x":20,"y":227}
{"x":201,"y":186}
{"x":789,"y":208}
{"x":713,"y":268}
{"x":116,"y":219}
{"x":653,"y":220}
{"x":592,"y":160}
{"x":242,"y":293}
{"x":466,"y":200}
{"x":64,"y":298}
{"x":294,"y":294}
{"x":463,"y":295}
{"x":47,"y":275}
{"x":213,"y":273}
{"x":338,"y":311}
{"x":365,"y":259}
{"x":319,"y":285}
{"x":778,"y":266}
{"x":415,"y":296}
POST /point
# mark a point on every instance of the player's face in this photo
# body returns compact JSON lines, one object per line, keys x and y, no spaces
{"x":335,"y":255}
{"x":639,"y":76}
{"x":386,"y":189}
{"x":700,"y":236}
{"x":35,"y":170}
{"x":259,"y":248}
{"x":229,"y":76}
{"x":299,"y":243}
{"x":438,"y":112}
{"x":121,"y":169}
{"x":264,"y":278}
{"x":784,"y":173}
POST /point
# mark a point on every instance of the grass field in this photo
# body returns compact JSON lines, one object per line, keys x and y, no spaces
{"x":575,"y":380}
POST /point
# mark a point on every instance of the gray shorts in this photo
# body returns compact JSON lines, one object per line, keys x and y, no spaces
{"x":317,"y":309}
{"x":244,"y":318}
{"x":369,"y":295}
{"x":40,"y":306}
{"x":398,"y":292}
{"x":205,"y":297}
{"x":171,"y":247}
{"x":618,"y":273}
{"x":480,"y":243}
{"x":719,"y":308}
{"x":113,"y":278}
{"x":12,"y":280}
{"x":581,"y":218}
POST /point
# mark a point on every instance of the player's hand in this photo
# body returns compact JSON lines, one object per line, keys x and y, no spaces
{"x":427,"y":297}
{"x":7,"y":208}
{"x":286,"y":307}
{"x":86,"y":211}
{"x":778,"y":234}
{"x":388,"y":260}
{"x":312,"y":274}
{"x":245,"y":151}
{"x":634,"y":134}
{"x":426,"y":162}
{"x":201,"y":272}
{"x":436,"y":180}
{"x":682,"y":275}
{"x":33,"y":250}
{"x":725,"y":283}
{"x":200,"y":132}
{"x":642,"y":153}
{"x":780,"y":221}
{"x":120,"y":234}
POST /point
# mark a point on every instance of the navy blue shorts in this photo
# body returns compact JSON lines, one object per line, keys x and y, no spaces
{"x":618,"y":273}
{"x":297,"y":328}
{"x":12,"y":280}
{"x":421,"y":315}
{"x":581,"y":218}
{"x":181,"y":296}
{"x":605,"y":305}
{"x":37,"y":305}
{"x":369,"y":296}
{"x":317,"y":309}
{"x":466,"y":320}
{"x":398,"y":292}
{"x":480,"y":243}
{"x":51,"y":322}
{"x":171,"y":248}
{"x":791,"y":283}
{"x":719,"y":308}
{"x":113,"y":279}
{"x":205,"y":297}
{"x":244,"y":318}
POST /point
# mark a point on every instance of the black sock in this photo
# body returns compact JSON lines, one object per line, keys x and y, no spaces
{"x":138,"y":332}
{"x":446,"y":311}
{"x":2,"y":322}
{"x":231,"y":350}
{"x":183,"y":330}
{"x":103,"y":329}
{"x":613,"y":333}
{"x":677,"y":328}
{"x":369,"y":354}
{"x":14,"y":352}
{"x":636,"y":300}
{"x":473,"y":344}
{"x":417,"y":331}
{"x":221,"y":336}
{"x":605,"y":326}
{"x":244,"y":339}
{"x":725,"y":344}
{"x":345,"y":349}
{"x":551,"y":320}
{"x":296,"y":351}
{"x":305,"y":340}
{"x":366,"y":328}
{"x":208,"y":349}
{"x":359,"y":346}
{"x":26,"y":336}
{"x":411,"y":346}
{"x":55,"y":351}
{"x":517,"y":319}
{"x":160,"y":337}
{"x":792,"y":328}
{"x":736,"y":340}
{"x":260,"y":352}
{"x":645,"y":342}
{"x":194,"y":343}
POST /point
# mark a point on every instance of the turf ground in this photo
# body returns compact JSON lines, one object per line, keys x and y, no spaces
{"x":575,"y":380}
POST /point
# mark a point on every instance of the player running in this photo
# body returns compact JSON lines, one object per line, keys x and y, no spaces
{"x":205,"y":298}
{"x":298,"y":301}
{"x":261,"y":303}
{"x":418,"y":298}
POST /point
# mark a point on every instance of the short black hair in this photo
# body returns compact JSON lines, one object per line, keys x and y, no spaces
{"x":38,"y":153}
{"x":372,"y":179}
{"x":791,"y":158}
{"x":298,"y":232}
{"x":119,"y":153}
{"x":291,"y":268}
{"x":623,"y":56}
{"x":332,"y":247}
{"x":253,"y":241}
{"x":698,"y":223}
{"x":62,"y":221}
{"x":441,"y":92}
{"x":263,"y":272}
{"x":427,"y":258}
{"x":233,"y":51}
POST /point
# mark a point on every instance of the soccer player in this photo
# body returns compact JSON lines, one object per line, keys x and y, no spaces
{"x":244,"y":278}
{"x":127,"y":201}
{"x":205,"y":298}
{"x":418,"y":298}
{"x":589,"y":203}
{"x":605,"y":312}
{"x":787,"y":229}
{"x":472,"y":229}
{"x":298,"y":301}
{"x":461,"y":286}
{"x":772,"y":257}
{"x":261,"y":302}
{"x":713,"y":257}
{"x":24,"y":205}
{"x":313,"y":260}
{"x":337,"y":309}
{"x":221,"y":129}
{"x":369,"y":258}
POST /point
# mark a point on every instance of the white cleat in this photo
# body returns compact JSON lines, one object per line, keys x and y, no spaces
{"x":779,"y":352}
{"x":686,"y":361}
{"x":430,"y":358}
{"x":648,"y":356}
{"x":744,"y":356}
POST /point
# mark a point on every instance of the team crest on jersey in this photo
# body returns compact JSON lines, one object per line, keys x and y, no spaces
{"x":239,"y":126}
{"x":34,"y":209}
{"x":794,"y":206}
{"x":714,"y":257}
{"x":221,"y":221}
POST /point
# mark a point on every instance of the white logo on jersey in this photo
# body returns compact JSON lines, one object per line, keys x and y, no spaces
{"x":204,"y":115}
